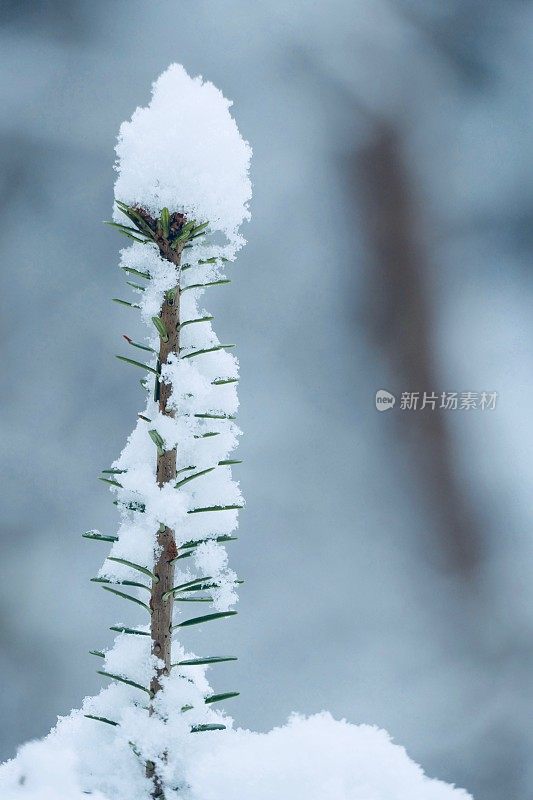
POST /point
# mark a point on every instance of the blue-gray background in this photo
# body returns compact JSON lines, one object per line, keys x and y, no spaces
{"x":388,"y":557}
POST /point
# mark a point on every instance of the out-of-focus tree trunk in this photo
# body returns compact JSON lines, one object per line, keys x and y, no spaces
{"x":402,"y":315}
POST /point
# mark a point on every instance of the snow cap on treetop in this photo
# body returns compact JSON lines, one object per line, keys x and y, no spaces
{"x":184,"y":151}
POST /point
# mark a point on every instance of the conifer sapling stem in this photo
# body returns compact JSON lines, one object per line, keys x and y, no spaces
{"x":162,"y":599}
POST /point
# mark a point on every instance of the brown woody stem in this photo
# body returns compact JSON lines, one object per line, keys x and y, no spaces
{"x":161,"y":606}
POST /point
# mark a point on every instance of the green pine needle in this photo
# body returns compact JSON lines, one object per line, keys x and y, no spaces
{"x":182,"y":555}
{"x":157,"y":385}
{"x":131,"y":233}
{"x":196,"y":230}
{"x":187,"y":586}
{"x":121,"y":227}
{"x":160,"y":326}
{"x":158,"y":440}
{"x":132,"y":631}
{"x":208,"y":350}
{"x":122,"y":680}
{"x":193,"y":599}
{"x":124,"y":302}
{"x":211,"y":726}
{"x":193,"y":321}
{"x":99,"y":537}
{"x":192,"y":662}
{"x":111,"y":482}
{"x":199,"y":587}
{"x":138,"y":344}
{"x":138,"y":273}
{"x":215,"y":416}
{"x":136,"y":218}
{"x":122,"y":583}
{"x":165,"y":221}
{"x":137,"y":567}
{"x":192,"y":477}
{"x":137,"y":364}
{"x":101,"y":719}
{"x":207,"y":618}
{"x":132,"y":505}
{"x":214,"y":508}
{"x":128,"y":597}
{"x":183,"y":235}
{"x":220,"y":282}
{"x":195,"y":542}
{"x":216,"y":698}
{"x":184,"y":469}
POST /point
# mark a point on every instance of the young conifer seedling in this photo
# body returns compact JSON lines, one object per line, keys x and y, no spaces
{"x":157,"y":729}
{"x":172,"y":483}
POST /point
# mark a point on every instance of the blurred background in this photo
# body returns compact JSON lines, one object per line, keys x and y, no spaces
{"x":388,"y":557}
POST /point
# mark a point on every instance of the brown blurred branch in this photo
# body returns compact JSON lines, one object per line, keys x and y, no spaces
{"x":403,"y":330}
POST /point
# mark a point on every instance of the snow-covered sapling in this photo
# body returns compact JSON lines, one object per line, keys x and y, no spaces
{"x":173,"y":484}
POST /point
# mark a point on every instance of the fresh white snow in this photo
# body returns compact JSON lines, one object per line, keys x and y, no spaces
{"x":184,"y":151}
{"x":317,"y":758}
